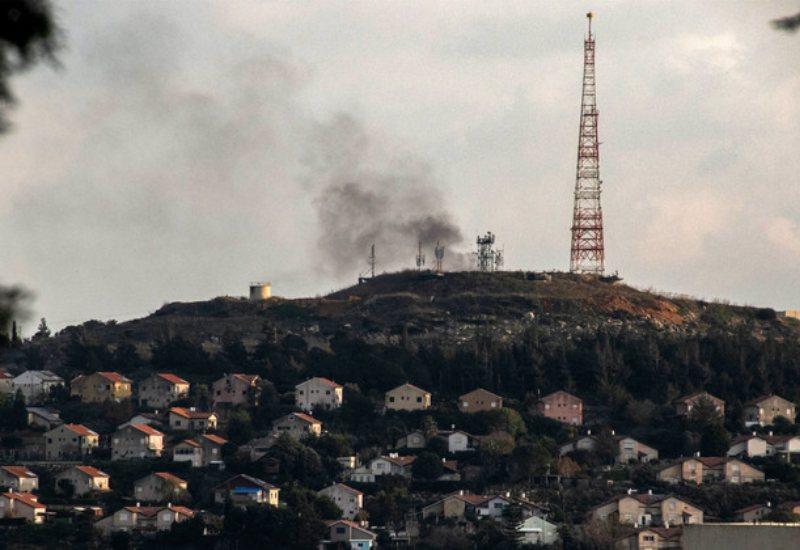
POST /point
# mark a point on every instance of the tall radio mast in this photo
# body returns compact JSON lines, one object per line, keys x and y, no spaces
{"x":587,"y":252}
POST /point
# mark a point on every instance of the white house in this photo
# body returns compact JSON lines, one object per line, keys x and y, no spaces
{"x":318,"y":392}
{"x":18,"y":478}
{"x":537,"y":530}
{"x":457,"y":441}
{"x":393,"y":464}
{"x":350,"y":500}
{"x":750,"y":446}
{"x":36,"y":385}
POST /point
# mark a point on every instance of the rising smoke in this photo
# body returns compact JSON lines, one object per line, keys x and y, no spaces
{"x":367,"y":197}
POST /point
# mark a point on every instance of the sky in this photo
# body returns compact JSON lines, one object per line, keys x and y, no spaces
{"x":184,"y":149}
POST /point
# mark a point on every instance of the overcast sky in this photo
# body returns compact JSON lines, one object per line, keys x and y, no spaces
{"x":184,"y":149}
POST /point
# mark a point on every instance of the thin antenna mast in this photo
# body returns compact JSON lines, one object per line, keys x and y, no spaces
{"x":438,"y":253}
{"x":420,"y":257}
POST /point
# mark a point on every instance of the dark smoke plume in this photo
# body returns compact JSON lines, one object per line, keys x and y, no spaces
{"x":368,"y":196}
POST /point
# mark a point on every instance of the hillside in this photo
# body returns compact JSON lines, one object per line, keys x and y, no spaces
{"x":450,"y":309}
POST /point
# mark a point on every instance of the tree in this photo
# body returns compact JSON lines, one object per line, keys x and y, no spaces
{"x":28,"y":34}
{"x":66,"y":488}
{"x":43,"y":331}
{"x":427,"y":466}
{"x":714,"y":440}
{"x":240,"y":427}
{"x":19,"y":414}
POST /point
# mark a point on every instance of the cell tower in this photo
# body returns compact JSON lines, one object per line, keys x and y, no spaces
{"x":438,"y":253}
{"x":420,"y":257}
{"x":486,"y":255}
{"x":371,"y":260}
{"x":587,"y":253}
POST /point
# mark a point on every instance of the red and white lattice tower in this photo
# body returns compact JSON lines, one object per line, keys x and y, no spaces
{"x":587,"y":251}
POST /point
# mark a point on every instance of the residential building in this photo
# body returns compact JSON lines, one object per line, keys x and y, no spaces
{"x":710,"y":469}
{"x":349,"y":500}
{"x":393,"y":464}
{"x":536,"y":530}
{"x":686,"y":404}
{"x":161,"y":487}
{"x":650,"y":538}
{"x":83,"y":480}
{"x":192,"y":420}
{"x":344,"y":533}
{"x":479,"y":400}
{"x":755,"y":512}
{"x":144,"y":519}
{"x":70,"y":441}
{"x":151,"y":419}
{"x":18,"y":478}
{"x":15,"y":504}
{"x":36,"y":385}
{"x":136,"y":441}
{"x":203,"y":451}
{"x":749,"y":446}
{"x":763,"y":411}
{"x":413,"y":440}
{"x":457,"y":441}
{"x":40,"y":417}
{"x":244,"y":490}
{"x":318,"y":392}
{"x":407,"y":397}
{"x":461,"y":505}
{"x":161,"y":390}
{"x":297,"y":425}
{"x":626,"y":448}
{"x":648,"y":510}
{"x":101,"y":386}
{"x":6,"y":382}
{"x":236,"y":389}
{"x":562,"y":406}
{"x":788,"y":446}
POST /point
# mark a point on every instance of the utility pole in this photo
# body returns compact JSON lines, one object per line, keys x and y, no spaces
{"x":587,"y":251}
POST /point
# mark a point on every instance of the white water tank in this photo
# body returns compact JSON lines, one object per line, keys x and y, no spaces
{"x":260,"y":291}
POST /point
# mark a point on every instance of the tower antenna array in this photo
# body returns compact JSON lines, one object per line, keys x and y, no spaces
{"x":420,"y":257}
{"x":587,"y":251}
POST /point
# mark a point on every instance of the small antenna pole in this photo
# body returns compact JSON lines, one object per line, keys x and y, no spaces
{"x":438,"y":253}
{"x":420,"y":257}
{"x":372,"y":260}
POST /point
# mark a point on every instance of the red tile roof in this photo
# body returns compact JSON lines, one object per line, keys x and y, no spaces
{"x":4,"y":375}
{"x":28,"y":499}
{"x":478,"y":391}
{"x":249,"y":378}
{"x":348,"y":488}
{"x":20,"y":472}
{"x":550,"y":396}
{"x":114,"y":377}
{"x":408,"y":385}
{"x":306,"y":418}
{"x":400,"y":460}
{"x":190,"y":442}
{"x":144,"y":510}
{"x":170,"y":478}
{"x":323,"y":380}
{"x":188,"y":413}
{"x":145,"y":429}
{"x":91,"y":471}
{"x":80,"y":429}
{"x":215,"y":439}
{"x":172,"y":378}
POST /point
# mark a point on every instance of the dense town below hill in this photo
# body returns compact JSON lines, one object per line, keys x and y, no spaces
{"x":469,"y":410}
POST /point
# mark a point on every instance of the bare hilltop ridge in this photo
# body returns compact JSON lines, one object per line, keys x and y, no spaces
{"x":449,"y":309}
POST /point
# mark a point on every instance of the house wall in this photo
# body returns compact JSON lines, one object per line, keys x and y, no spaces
{"x":478,"y":401}
{"x":407,"y":398}
{"x":131,"y":443}
{"x":64,"y":443}
{"x":155,"y":392}
{"x":232,"y":391}
{"x":348,"y":501}
{"x":25,"y":484}
{"x":316,"y":393}
{"x":765,"y":412}
{"x":563,"y":407}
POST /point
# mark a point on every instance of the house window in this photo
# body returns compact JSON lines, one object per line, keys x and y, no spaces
{"x":419,"y":400}
{"x":391,"y":400}
{"x":340,"y":530}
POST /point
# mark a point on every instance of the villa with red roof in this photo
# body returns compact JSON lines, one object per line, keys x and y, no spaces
{"x":349,"y":500}
{"x":22,"y":505}
{"x":201,"y":451}
{"x":136,"y":441}
{"x":83,"y":479}
{"x":144,"y":518}
{"x":192,"y":420}
{"x":344,"y":533}
{"x":297,"y":425}
{"x":161,"y":487}
{"x":19,"y":478}
{"x":236,"y":389}
{"x":318,"y":392}
{"x":70,"y":441}
{"x":161,"y":390}
{"x":101,"y":386}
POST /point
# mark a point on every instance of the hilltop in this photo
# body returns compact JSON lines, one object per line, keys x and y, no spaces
{"x":449,"y":309}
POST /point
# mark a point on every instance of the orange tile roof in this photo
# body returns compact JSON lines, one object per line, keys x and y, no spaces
{"x":28,"y":499}
{"x":20,"y":472}
{"x":215,"y":439}
{"x":348,"y":488}
{"x":400,"y":460}
{"x":91,"y":471}
{"x":145,"y":429}
{"x":190,"y":442}
{"x":306,"y":418}
{"x":479,"y":391}
{"x":188,"y":413}
{"x":144,"y":510}
{"x":170,"y":478}
{"x":326,"y":381}
{"x":181,"y":510}
{"x":172,"y":378}
{"x":249,"y":378}
{"x":80,"y":429}
{"x":4,"y":375}
{"x":115,"y":377}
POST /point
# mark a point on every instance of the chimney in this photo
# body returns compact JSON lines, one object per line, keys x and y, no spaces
{"x":630,"y":491}
{"x":589,"y":432}
{"x":649,"y":491}
{"x":754,"y":433}
{"x":452,"y":427}
{"x":613,"y":432}
{"x":508,"y":494}
{"x":770,"y":433}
